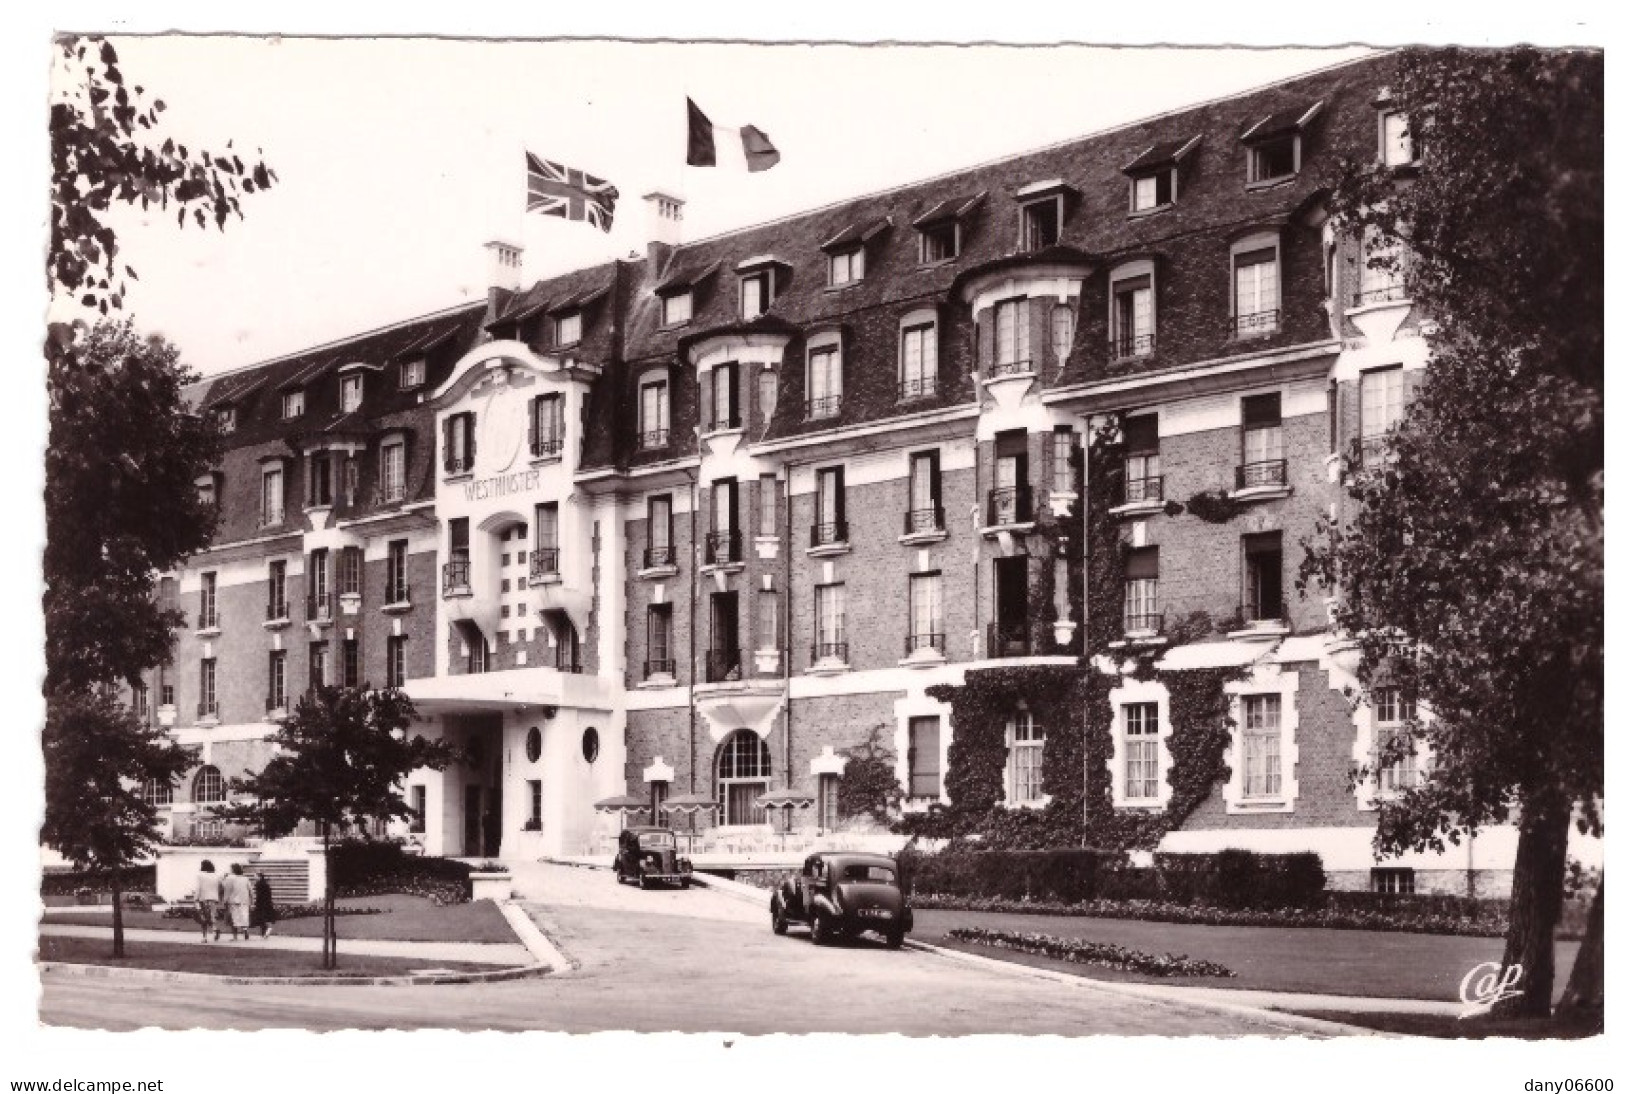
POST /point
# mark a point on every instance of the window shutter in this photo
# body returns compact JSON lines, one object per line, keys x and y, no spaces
{"x":1142,"y":563}
{"x":840,"y":495}
{"x":1261,"y":410}
{"x":471,"y":435}
{"x":1140,"y":433}
{"x":445,"y":444}
{"x":535,"y":422}
{"x":936,"y":480}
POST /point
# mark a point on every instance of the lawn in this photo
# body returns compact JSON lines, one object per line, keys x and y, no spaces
{"x":242,"y":959}
{"x":403,"y":919}
{"x":1288,"y":959}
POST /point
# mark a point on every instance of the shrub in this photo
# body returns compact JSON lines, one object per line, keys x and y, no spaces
{"x":69,"y":882}
{"x":372,"y":867}
{"x":1063,"y":875}
{"x":1243,"y":879}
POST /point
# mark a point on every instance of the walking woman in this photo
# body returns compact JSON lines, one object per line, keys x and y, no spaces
{"x":264,"y":916}
{"x":208,"y":898}
{"x":236,"y":892}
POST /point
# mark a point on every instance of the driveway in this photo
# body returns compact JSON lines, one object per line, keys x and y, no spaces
{"x":695,"y":961}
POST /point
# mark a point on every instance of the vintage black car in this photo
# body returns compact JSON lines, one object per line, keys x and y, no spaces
{"x":649,"y":856}
{"x":843,"y":894}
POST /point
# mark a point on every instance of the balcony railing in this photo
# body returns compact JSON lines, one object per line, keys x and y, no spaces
{"x":917,"y":387}
{"x":1379,"y":294}
{"x":1262,"y":611}
{"x":1253,"y":323}
{"x":570,"y":666}
{"x":208,"y":708}
{"x":388,"y":495}
{"x":721,"y":665}
{"x":546,"y":446}
{"x":1375,"y":452}
{"x":459,"y":463}
{"x":1009,"y":368}
{"x":825,"y":406}
{"x":1261,"y":473}
{"x":1009,"y":505}
{"x":666,"y":667}
{"x":208,"y":620}
{"x":319,"y":607}
{"x":665,"y":555}
{"x":270,"y":518}
{"x":829,"y":533}
{"x":454,"y":576}
{"x":276,"y":610}
{"x":654,"y":438}
{"x":544,"y":563}
{"x":915,"y":643}
{"x":1142,"y":623}
{"x":395,"y":592}
{"x":923,"y":520}
{"x":1145,"y":488}
{"x":829,"y":651}
{"x":1009,"y":639}
{"x":724,"y":548}
{"x":1133,"y":345}
{"x":732,"y":421}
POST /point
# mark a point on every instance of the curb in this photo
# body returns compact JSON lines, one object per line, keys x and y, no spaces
{"x":735,"y":890}
{"x":532,"y":937}
{"x":109,"y":972}
{"x":1152,"y":994}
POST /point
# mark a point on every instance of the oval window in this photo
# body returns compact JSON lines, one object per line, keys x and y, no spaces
{"x":589,"y":744}
{"x":533,"y":744}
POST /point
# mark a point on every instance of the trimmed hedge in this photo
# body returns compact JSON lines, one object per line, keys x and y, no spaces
{"x":1065,"y":875}
{"x":1243,"y":879}
{"x":132,"y":879}
{"x":373,"y":867}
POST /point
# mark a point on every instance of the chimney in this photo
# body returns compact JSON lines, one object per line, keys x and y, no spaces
{"x":664,"y":225}
{"x":505,"y":273}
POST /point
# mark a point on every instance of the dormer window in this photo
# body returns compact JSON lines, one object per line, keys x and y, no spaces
{"x":207,"y":494}
{"x":1041,"y":223}
{"x":567,"y":329}
{"x":942,"y":228}
{"x":1399,"y":146}
{"x":225,"y":419}
{"x":293,"y":404}
{"x":413,"y":373}
{"x":846,"y":266}
{"x":350,"y":393}
{"x":677,"y":309}
{"x":1154,"y":174}
{"x":1275,"y":145}
{"x":755,"y":293}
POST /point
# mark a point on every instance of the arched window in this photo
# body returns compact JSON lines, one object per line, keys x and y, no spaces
{"x":743,"y":770}
{"x":208,"y":786}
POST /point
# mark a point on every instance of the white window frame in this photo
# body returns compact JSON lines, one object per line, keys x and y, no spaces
{"x":1265,"y":680}
{"x":1368,"y":791}
{"x":225,"y":417}
{"x":567,"y":329}
{"x":825,"y":346}
{"x":947,"y":230}
{"x":293,"y":404}
{"x":351,"y":391}
{"x":414,"y":372}
{"x":1130,"y":271}
{"x":1134,"y":692}
{"x":1029,"y":220}
{"x":1134,"y":182}
{"x":1255,"y":158}
{"x":1246,"y":245}
{"x":748,"y":308}
{"x":677,"y":309}
{"x":1017,"y":349}
{"x":1025,"y":738}
{"x":1374,"y":280}
{"x":392,"y":488}
{"x":662,"y":408}
{"x":1388,"y":143}
{"x":273,"y":500}
{"x":926,"y":611}
{"x":846,"y":266}
{"x":923,"y":324}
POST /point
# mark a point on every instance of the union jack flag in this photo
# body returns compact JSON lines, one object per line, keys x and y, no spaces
{"x":560,"y":191}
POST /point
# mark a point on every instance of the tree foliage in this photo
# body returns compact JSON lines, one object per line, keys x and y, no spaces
{"x":1469,"y":568}
{"x":105,"y":148}
{"x":121,"y":503}
{"x":341,"y":758}
{"x":98,"y":760}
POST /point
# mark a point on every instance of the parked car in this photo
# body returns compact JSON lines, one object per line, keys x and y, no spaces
{"x":844,"y":894}
{"x":649,"y":855}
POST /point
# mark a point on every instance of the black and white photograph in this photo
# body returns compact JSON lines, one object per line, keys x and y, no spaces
{"x":951,"y":547}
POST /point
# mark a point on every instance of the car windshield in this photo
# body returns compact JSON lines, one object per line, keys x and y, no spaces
{"x":881,"y":874}
{"x":656,"y":841}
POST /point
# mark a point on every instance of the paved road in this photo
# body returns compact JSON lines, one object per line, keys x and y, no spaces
{"x":696,"y":961}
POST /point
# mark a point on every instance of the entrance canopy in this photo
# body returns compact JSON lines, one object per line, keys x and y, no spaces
{"x":509,"y":690}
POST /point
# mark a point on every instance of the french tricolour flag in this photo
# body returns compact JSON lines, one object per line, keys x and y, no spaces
{"x":715,"y":145}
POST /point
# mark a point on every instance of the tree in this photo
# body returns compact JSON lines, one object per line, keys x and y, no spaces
{"x":121,"y":504}
{"x":1469,"y":569}
{"x":103,"y":150}
{"x":343,"y":753}
{"x":98,"y":761}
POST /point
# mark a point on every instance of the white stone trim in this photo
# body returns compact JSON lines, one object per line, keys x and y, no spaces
{"x":1139,"y":691}
{"x":1265,"y":679}
{"x":1367,"y":795}
{"x":827,"y":763}
{"x":659,"y":772}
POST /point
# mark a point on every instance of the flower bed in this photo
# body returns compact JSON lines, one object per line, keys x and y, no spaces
{"x":1083,"y":952}
{"x":283,"y":911}
{"x":1163,"y":912}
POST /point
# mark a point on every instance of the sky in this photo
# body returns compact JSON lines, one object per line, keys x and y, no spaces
{"x":397,"y":159}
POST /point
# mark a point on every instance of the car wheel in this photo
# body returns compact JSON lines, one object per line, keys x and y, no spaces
{"x":683,"y":884}
{"x":781,"y":922}
{"x":822,"y":933}
{"x":894,"y":940}
{"x":643,"y":882}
